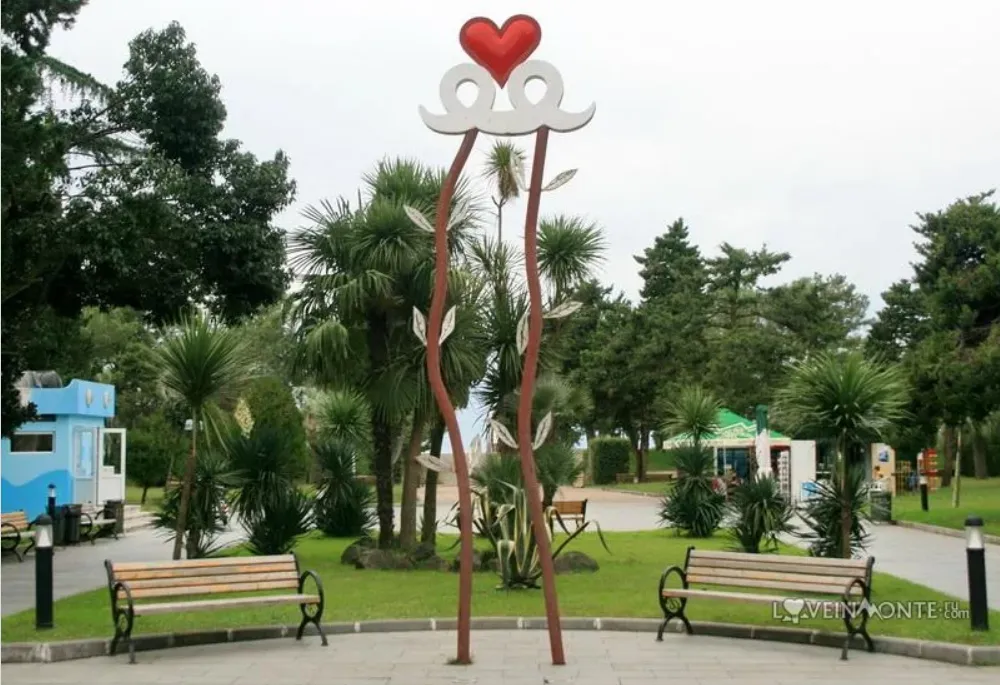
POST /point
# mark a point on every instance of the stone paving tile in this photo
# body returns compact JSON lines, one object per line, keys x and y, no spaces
{"x":501,"y":658}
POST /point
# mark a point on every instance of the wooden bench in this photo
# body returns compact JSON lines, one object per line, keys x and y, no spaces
{"x":16,"y":529}
{"x":811,"y":579}
{"x":186,"y":585}
{"x":571,"y":510}
{"x":93,"y":522}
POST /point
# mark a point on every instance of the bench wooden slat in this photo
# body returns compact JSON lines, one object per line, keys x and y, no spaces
{"x":740,"y":596}
{"x":765,"y":564}
{"x":18,"y":519}
{"x":219,"y":589}
{"x":200,"y":563}
{"x":831,"y":589}
{"x":175,"y":607}
{"x":857,"y":564}
{"x":567,"y":508}
{"x":206,"y":572}
{"x":196,"y":581}
{"x":726,"y":576}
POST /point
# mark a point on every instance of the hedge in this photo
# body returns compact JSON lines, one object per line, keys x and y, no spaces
{"x":608,"y":458}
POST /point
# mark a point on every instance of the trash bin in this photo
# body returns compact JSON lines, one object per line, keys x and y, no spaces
{"x":59,"y":527}
{"x":881,"y":503}
{"x":72,"y":513}
{"x":115,"y":509}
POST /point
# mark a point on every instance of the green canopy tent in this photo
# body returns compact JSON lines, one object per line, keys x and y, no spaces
{"x":732,"y":441}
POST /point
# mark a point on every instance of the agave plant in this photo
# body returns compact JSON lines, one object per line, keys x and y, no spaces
{"x":513,"y":540}
{"x":762,"y":515}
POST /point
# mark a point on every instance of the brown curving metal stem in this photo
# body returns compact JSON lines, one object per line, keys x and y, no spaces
{"x":438,"y":300}
{"x":524,"y":436}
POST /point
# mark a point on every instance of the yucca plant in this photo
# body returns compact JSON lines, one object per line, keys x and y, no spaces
{"x":277,"y":526}
{"x":206,"y":519}
{"x":823,"y":515}
{"x":693,"y":506}
{"x":345,"y":507}
{"x":762,"y":515}
{"x":263,"y":469}
{"x":513,"y":539}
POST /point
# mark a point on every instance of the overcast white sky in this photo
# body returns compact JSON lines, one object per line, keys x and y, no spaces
{"x":816,"y":128}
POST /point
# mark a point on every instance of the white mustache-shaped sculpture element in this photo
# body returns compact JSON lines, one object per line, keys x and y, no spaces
{"x":524,"y":118}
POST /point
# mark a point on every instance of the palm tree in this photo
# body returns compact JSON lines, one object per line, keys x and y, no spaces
{"x":203,"y":364}
{"x":693,"y":412}
{"x":569,"y":249}
{"x":504,"y":173}
{"x":362,"y":270}
{"x":848,"y":399}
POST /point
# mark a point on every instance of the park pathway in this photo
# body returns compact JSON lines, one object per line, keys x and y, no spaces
{"x":501,"y":657}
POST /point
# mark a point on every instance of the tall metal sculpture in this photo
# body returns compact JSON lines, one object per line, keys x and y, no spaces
{"x":500,"y":55}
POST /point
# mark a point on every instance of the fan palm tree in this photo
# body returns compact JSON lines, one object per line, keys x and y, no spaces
{"x":360,"y":270}
{"x":848,"y":399}
{"x":504,"y":173}
{"x":203,"y":364}
{"x":569,"y":249}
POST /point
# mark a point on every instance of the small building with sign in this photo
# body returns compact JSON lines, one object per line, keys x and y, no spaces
{"x":66,"y":446}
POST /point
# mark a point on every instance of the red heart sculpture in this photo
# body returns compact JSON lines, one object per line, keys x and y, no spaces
{"x":500,"y":50}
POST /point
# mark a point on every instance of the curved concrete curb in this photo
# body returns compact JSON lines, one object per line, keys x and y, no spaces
{"x":634,"y":493}
{"x":940,"y":530}
{"x":46,"y":652}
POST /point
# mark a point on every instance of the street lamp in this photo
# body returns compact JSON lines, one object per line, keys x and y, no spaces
{"x":975,"y":553}
{"x":51,"y":509}
{"x":43,"y":572}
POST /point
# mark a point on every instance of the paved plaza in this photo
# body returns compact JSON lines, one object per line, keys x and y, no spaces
{"x":501,"y":658}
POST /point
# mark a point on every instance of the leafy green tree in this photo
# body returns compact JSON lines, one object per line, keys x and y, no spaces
{"x":127,"y":196}
{"x":847,"y":399}
{"x":273,"y":408}
{"x":154,"y":444}
{"x":204,"y":365}
{"x":672,"y":265}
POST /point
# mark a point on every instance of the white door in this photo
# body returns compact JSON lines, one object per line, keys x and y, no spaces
{"x":85,"y":452}
{"x":112,"y":450}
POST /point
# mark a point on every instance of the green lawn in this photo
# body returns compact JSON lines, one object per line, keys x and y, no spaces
{"x":624,"y":587}
{"x":980,"y":497}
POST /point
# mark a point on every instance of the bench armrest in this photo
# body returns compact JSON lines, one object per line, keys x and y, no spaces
{"x":129,"y":604}
{"x":13,"y":529}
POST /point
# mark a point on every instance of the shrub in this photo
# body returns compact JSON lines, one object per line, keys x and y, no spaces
{"x":693,"y":506}
{"x":275,"y":529}
{"x":153,"y":445}
{"x":822,"y":514}
{"x":608,"y":458}
{"x":556,"y":465}
{"x":345,"y":507}
{"x":762,"y":515}
{"x":262,"y":469}
{"x":272,"y":407}
{"x":206,"y":518}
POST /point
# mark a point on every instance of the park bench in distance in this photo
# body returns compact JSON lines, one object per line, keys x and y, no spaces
{"x":181,"y":586}
{"x":571,"y":510}
{"x":806,"y":577}
{"x":95,"y":521}
{"x":15,"y":528}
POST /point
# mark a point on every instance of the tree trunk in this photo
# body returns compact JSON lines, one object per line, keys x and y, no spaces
{"x":411,"y":480}
{"x":956,"y":486}
{"x":979,"y":461}
{"x":186,"y":487}
{"x":382,"y":439}
{"x":429,"y":531}
{"x":640,"y":455}
{"x":948,"y":455}
{"x":142,"y":500}
{"x":845,"y":502}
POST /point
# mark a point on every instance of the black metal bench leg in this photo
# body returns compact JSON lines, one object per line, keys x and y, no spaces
{"x":315,"y":620}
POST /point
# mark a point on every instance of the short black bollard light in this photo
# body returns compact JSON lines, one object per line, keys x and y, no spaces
{"x":923,"y":492}
{"x":975,"y":552}
{"x":51,"y":508}
{"x":43,"y":572}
